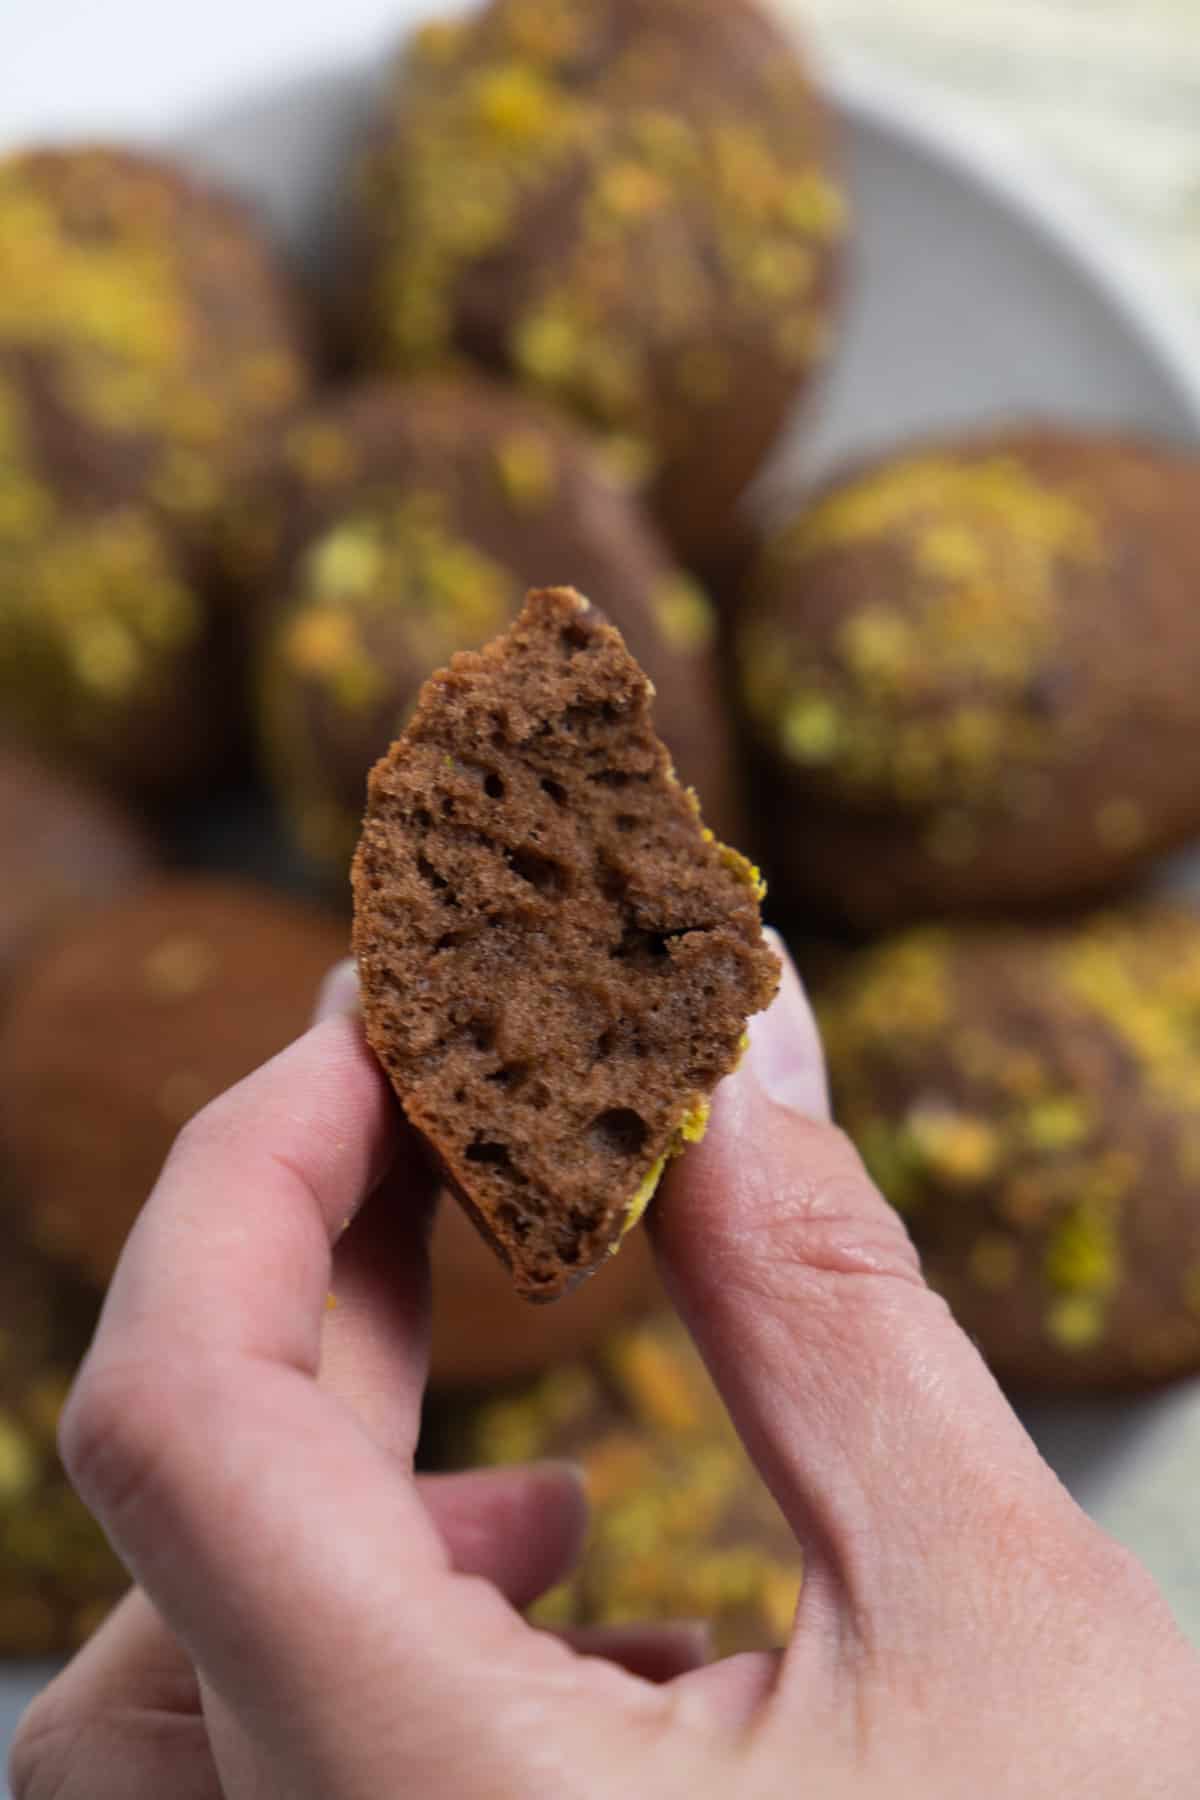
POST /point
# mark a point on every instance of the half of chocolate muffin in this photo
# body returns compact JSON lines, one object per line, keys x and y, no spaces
{"x":557,"y":958}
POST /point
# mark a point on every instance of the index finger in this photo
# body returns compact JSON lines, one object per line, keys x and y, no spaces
{"x":248,"y":1502}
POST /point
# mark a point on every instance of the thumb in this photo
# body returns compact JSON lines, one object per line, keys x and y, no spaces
{"x":874,"y":1421}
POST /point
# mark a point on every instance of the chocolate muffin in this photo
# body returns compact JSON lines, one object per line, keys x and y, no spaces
{"x":404,"y":521}
{"x":125,"y":1027}
{"x":64,"y":848}
{"x":971,"y":674}
{"x":109,"y":658}
{"x":1029,"y":1099}
{"x":145,"y":328}
{"x":626,"y":204}
{"x":682,"y":1527}
{"x":557,"y":960}
{"x":58,"y":1576}
{"x":484,"y":1335}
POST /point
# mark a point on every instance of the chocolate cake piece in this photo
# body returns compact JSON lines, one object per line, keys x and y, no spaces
{"x":557,"y":959}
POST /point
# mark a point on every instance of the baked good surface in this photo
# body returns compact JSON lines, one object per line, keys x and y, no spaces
{"x":626,"y":204}
{"x":109,"y":657}
{"x":123,"y":1028}
{"x":970,"y":673}
{"x":483,"y":1334}
{"x":557,"y":960}
{"x":682,"y":1527}
{"x":58,"y":1576}
{"x":404,"y":520}
{"x":65,"y":848}
{"x":1029,"y":1099}
{"x":147,"y":337}
{"x":145,"y":324}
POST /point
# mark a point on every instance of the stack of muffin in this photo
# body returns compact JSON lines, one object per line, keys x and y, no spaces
{"x":590,"y":268}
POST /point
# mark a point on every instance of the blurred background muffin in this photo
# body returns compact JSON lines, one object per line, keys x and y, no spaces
{"x":109,"y":663}
{"x":124,"y":1027}
{"x":483,"y":1335}
{"x":403,"y":521}
{"x":682,"y":1527}
{"x":65,"y":848}
{"x":628,"y":205}
{"x":146,"y":328}
{"x":58,"y":1576}
{"x":146,"y":337}
{"x":1029,"y":1099}
{"x":971,"y":674}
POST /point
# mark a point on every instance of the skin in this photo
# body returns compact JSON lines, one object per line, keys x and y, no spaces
{"x":963,"y":1628}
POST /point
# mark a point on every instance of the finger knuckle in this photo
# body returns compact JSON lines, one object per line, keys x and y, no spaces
{"x":112,"y":1436}
{"x":825,"y":1220}
{"x":42,"y":1754}
{"x":205,"y":1131}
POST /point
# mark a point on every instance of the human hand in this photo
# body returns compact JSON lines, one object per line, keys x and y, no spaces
{"x":962,"y":1629}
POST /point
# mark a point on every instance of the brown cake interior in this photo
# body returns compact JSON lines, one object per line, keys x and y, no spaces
{"x":557,"y":959}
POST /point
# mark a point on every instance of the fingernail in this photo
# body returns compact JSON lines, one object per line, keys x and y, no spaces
{"x":338,"y":993}
{"x":785,"y":1055}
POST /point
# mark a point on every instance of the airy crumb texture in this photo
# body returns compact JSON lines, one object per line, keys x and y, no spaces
{"x":557,"y":959}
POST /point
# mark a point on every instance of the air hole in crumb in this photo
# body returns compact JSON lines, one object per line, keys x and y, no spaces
{"x":449,"y":940}
{"x":581,"y":1222}
{"x":448,"y":808}
{"x":612,"y":778}
{"x":606,"y":1043}
{"x":620,"y":1130}
{"x":537,"y":1096}
{"x":512,"y":1076}
{"x":612,"y":881}
{"x":641,"y":946}
{"x":514,"y":1222}
{"x":546,"y":876}
{"x":569,"y":1253}
{"x":422,"y":818}
{"x":574,"y":637}
{"x":627,"y":822}
{"x":428,"y":873}
{"x":555,"y":789}
{"x":493,"y":787}
{"x":494,"y":1154}
{"x":460,"y":1095}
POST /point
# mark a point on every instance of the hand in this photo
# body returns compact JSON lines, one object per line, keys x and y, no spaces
{"x":313,"y":1621}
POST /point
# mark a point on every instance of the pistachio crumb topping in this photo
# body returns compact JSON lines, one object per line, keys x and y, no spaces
{"x":930,"y":691}
{"x":693,"y":216}
{"x":153,"y":312}
{"x":681,"y":1525}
